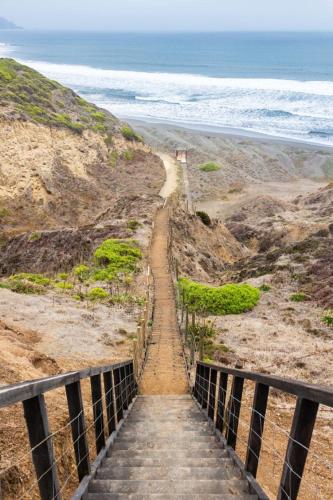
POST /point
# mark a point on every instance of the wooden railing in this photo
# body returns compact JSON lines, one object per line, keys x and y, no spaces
{"x":113,"y":388}
{"x":210,"y":390}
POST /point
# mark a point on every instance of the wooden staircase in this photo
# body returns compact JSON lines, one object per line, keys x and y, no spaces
{"x":167,"y":450}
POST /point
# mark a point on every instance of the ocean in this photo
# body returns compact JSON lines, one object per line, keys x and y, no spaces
{"x":280,"y":84}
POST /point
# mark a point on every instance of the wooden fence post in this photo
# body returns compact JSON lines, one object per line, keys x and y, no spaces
{"x":297,"y":451}
{"x":96,"y":393}
{"x":109,"y":400}
{"x":234,"y":410}
{"x":256,"y":428}
{"x":35,"y":414}
{"x":222,"y":396}
{"x":76,"y":414}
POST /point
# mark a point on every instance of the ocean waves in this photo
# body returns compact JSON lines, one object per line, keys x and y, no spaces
{"x":285,"y":108}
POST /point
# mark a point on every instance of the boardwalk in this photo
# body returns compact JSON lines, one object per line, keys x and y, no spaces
{"x":165,"y":370}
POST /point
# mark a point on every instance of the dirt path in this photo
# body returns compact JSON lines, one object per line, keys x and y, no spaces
{"x":171,"y":169}
{"x":165,"y":370}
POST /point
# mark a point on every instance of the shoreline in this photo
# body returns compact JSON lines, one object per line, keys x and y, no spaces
{"x":228,"y":132}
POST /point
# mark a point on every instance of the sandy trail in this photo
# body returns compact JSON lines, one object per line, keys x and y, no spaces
{"x":171,"y":182}
{"x":165,"y":370}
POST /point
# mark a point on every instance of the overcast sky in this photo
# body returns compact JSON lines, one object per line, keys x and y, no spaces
{"x":171,"y":15}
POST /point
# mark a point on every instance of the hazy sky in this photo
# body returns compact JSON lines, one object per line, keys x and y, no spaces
{"x":166,"y":15}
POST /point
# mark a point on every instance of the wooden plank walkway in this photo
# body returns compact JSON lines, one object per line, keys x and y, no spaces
{"x":165,"y":368}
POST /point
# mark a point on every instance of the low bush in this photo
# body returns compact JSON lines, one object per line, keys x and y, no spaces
{"x":298,"y":297}
{"x":133,"y":224}
{"x":96,"y":294}
{"x":264,"y":287}
{"x":205,"y":219}
{"x":328,"y":320}
{"x":227,"y":299}
{"x":37,"y":279}
{"x":128,"y":155}
{"x":116,"y":256}
{"x":64,"y":285}
{"x":209,"y":167}
{"x":82,"y":272}
{"x":130,"y":135}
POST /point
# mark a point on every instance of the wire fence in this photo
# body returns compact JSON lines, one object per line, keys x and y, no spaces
{"x":265,"y":441}
{"x":56,"y":464}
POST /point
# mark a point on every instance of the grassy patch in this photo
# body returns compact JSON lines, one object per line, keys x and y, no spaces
{"x":129,"y":155}
{"x":130,"y":135}
{"x":44,"y":101}
{"x":209,"y":167}
{"x":328,"y":320}
{"x":37,"y":279}
{"x":227,"y":299}
{"x":34,"y":236}
{"x":133,"y":224}
{"x":64,"y":285}
{"x":96,"y":294}
{"x":298,"y":297}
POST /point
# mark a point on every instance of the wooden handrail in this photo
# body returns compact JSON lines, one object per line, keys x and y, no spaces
{"x":317,"y":393}
{"x":210,"y":390}
{"x":17,"y":393}
{"x":120,"y":388}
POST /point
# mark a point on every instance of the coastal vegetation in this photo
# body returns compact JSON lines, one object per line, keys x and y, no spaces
{"x":218,"y":301}
{"x":209,"y":167}
{"x":130,"y":135}
{"x":29,"y":95}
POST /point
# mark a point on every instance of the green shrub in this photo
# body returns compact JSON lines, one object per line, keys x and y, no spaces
{"x":96,"y":294}
{"x":62,"y":276}
{"x":133,"y":224}
{"x":82,"y":272}
{"x":227,"y":299}
{"x":205,"y":219}
{"x":34,"y":236}
{"x":298,"y":297}
{"x":64,"y":285}
{"x":116,"y":256}
{"x":129,"y":154}
{"x":23,"y":286}
{"x":98,"y":116}
{"x":37,"y":279}
{"x":209,"y":167}
{"x":130,"y":135}
{"x":328,"y":320}
{"x":264,"y":287}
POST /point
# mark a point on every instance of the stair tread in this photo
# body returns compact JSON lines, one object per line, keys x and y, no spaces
{"x":164,"y":472}
{"x":203,"y":486}
{"x":158,"y":496}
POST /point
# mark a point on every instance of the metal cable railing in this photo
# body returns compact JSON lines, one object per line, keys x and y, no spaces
{"x":113,"y":389}
{"x":223,"y":403}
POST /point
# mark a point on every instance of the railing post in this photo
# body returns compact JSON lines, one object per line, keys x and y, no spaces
{"x":212,"y":393}
{"x":118,"y":394}
{"x":234,"y":410}
{"x":205,"y":386}
{"x":132,"y":383}
{"x":35,"y":414}
{"x":222,"y":394}
{"x":256,"y":428}
{"x":197,"y":382}
{"x":96,"y":393}
{"x":298,"y":446}
{"x":76,"y":415}
{"x":110,"y":411}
